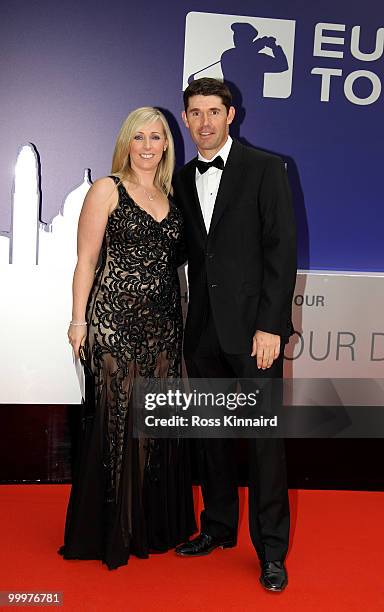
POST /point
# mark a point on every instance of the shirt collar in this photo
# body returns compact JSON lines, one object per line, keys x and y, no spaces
{"x":224,"y":151}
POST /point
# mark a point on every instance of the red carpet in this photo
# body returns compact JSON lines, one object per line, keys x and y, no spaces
{"x":334,"y":562}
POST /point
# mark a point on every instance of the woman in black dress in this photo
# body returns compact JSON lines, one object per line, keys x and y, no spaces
{"x":129,"y":495}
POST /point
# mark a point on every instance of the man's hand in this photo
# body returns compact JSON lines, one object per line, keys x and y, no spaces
{"x":266,"y":348}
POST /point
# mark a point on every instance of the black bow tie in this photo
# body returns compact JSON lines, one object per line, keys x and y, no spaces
{"x":203,"y":166}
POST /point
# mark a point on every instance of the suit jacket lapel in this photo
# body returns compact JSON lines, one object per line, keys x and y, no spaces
{"x":194,"y":199}
{"x":229,"y":183}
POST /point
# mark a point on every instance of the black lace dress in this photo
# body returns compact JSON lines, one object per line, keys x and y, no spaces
{"x":131,"y":495}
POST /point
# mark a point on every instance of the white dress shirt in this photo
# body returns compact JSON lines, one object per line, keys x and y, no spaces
{"x":207,"y":184}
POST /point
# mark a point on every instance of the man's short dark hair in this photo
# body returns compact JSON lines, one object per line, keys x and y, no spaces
{"x":208,"y":87}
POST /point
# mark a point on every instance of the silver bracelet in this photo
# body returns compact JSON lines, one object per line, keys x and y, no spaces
{"x":78,"y":324}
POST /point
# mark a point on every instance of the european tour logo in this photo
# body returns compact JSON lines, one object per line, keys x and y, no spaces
{"x":253,"y":53}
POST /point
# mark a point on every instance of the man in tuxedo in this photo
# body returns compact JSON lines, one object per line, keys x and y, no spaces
{"x":240,"y":237}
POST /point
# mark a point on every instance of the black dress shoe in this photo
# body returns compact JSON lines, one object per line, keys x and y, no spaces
{"x":203,"y":545}
{"x":273,"y":576}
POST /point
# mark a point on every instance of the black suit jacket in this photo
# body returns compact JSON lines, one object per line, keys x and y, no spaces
{"x":246,"y":265}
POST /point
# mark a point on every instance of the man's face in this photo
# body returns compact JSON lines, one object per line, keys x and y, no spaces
{"x":208,"y":122}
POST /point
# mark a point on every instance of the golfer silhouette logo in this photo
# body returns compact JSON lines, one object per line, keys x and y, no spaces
{"x":259,"y":65}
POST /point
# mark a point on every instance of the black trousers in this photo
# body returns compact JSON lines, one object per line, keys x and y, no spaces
{"x":268,"y":492}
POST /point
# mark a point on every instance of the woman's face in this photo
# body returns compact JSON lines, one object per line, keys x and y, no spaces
{"x":147,"y":146}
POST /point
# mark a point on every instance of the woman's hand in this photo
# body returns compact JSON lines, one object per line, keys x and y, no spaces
{"x":76,"y":336}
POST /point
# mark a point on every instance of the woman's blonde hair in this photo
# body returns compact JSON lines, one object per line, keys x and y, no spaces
{"x":121,"y":163}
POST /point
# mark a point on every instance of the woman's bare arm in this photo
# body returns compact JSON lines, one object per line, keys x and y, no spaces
{"x":99,"y":202}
